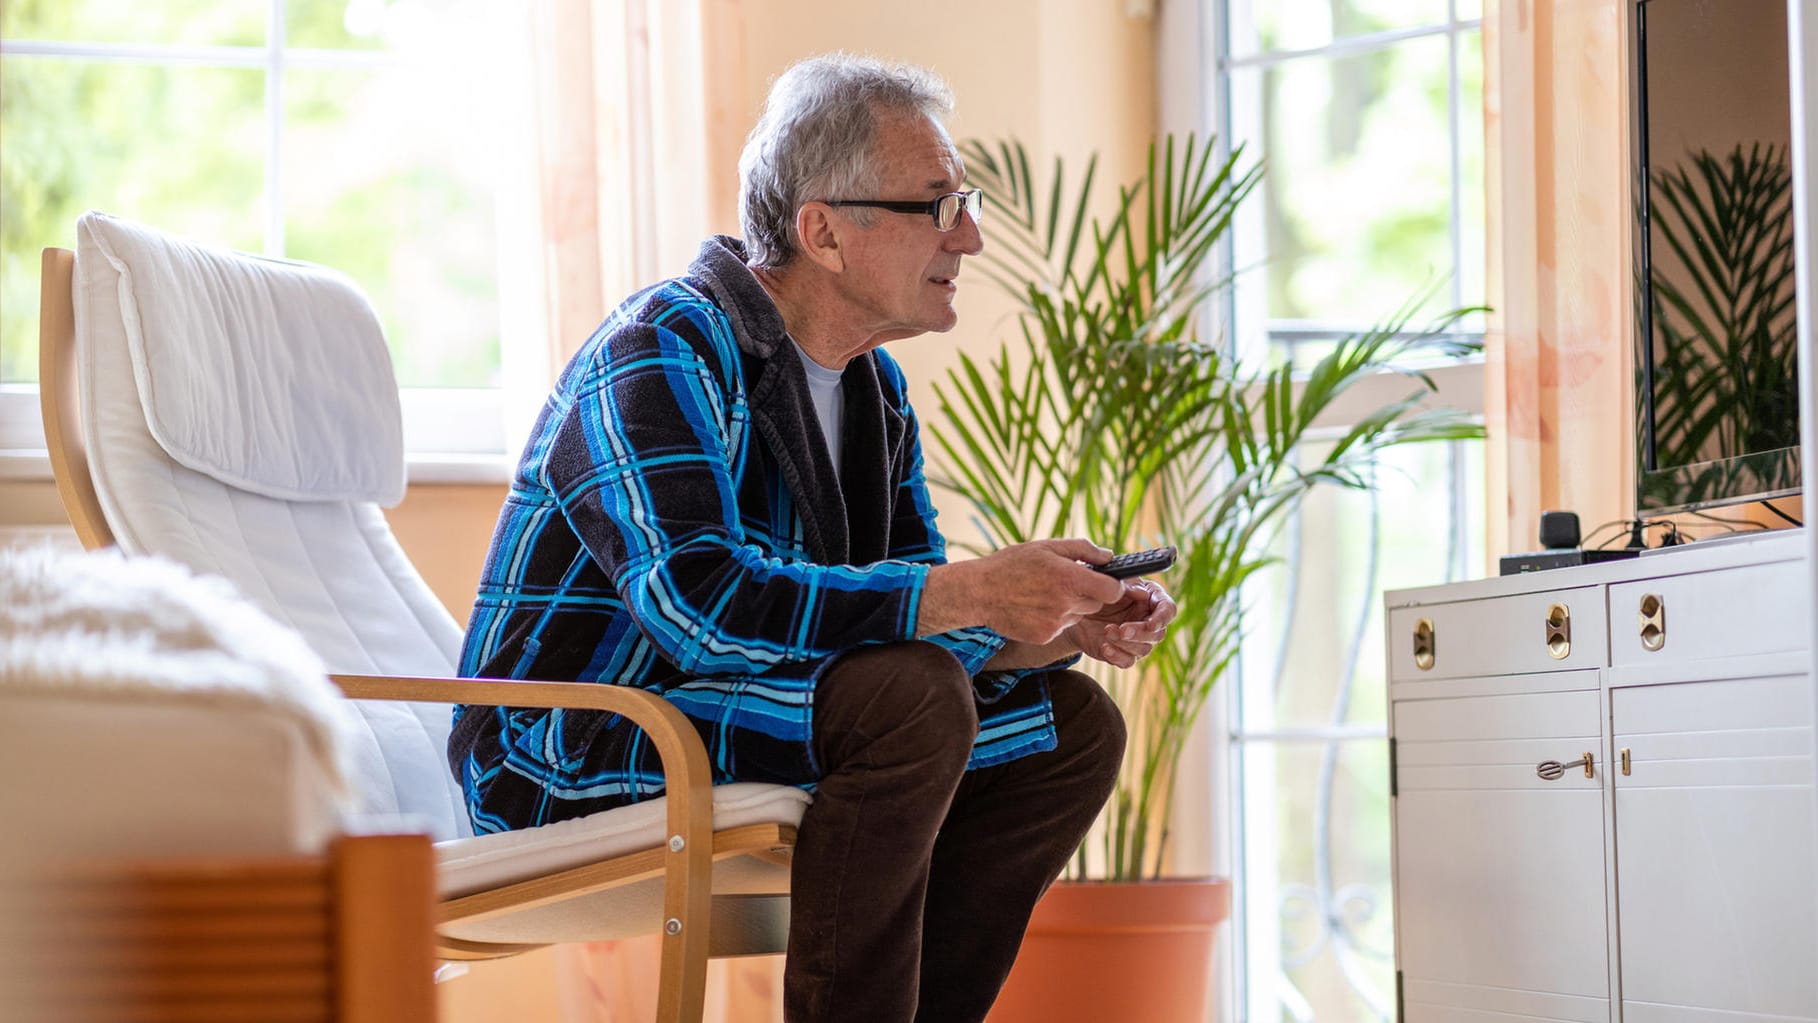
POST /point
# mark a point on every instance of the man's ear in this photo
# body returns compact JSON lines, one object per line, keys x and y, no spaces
{"x":819,"y":232}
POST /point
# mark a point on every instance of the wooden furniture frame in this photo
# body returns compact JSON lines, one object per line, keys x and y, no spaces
{"x":341,"y":936}
{"x":685,"y":860}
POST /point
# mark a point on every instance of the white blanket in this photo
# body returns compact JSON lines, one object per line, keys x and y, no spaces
{"x":105,"y":626}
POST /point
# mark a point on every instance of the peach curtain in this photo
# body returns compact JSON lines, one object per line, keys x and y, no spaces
{"x":612,"y":191}
{"x":1559,"y":403}
{"x":631,"y":152}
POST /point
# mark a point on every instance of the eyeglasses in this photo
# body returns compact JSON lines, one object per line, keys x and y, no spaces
{"x":944,"y":209}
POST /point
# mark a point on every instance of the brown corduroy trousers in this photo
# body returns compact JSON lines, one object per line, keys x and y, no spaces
{"x":914,"y":878}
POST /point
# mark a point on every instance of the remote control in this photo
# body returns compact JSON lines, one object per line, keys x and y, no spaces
{"x":1137,"y":563}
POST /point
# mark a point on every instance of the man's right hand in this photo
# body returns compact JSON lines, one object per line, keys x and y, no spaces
{"x":1030,"y":592}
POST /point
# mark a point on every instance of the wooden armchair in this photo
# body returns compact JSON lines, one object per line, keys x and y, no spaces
{"x":147,"y":341}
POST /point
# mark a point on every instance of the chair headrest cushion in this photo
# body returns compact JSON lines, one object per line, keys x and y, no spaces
{"x":268,"y":375}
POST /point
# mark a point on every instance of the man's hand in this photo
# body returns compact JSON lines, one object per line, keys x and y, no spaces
{"x":1124,"y":632}
{"x":1030,"y":592}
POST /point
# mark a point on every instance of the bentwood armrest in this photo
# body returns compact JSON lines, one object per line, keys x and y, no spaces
{"x":686,"y":772}
{"x":655,"y":715}
{"x":688,"y":779}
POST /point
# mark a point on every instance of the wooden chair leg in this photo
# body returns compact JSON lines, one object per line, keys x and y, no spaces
{"x":384,"y":928}
{"x":687,"y":910}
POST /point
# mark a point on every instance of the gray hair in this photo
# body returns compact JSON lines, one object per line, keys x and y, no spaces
{"x":814,"y":142}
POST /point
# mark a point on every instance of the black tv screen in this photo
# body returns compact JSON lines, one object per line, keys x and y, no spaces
{"x":1718,"y":379}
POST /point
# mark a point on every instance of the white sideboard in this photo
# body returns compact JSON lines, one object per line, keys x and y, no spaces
{"x":1602,"y":791}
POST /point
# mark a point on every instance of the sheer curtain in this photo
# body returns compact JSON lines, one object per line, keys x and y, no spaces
{"x":611,"y":192}
{"x":628,"y":162}
{"x":1559,"y":405}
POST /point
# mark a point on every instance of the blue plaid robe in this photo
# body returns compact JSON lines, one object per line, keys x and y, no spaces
{"x":676,"y":524}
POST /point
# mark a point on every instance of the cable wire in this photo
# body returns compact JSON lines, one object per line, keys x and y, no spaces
{"x":1769,"y":505}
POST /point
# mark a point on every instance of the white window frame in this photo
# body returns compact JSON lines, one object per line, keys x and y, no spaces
{"x":1460,"y":384}
{"x":452,"y":435}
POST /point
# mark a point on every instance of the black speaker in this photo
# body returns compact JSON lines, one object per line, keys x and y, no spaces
{"x":1558,"y":530}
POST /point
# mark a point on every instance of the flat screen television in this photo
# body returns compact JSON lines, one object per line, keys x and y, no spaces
{"x":1717,"y":374}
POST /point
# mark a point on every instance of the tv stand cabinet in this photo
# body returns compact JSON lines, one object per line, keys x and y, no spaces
{"x":1602,"y":792}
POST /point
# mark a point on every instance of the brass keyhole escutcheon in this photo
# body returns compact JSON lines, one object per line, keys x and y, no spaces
{"x":1652,"y":618}
{"x":1423,"y":644}
{"x":1559,"y":631}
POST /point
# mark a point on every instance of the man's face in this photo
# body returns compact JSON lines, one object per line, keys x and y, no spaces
{"x":900,"y":272}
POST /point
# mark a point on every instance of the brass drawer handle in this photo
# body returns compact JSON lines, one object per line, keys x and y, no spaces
{"x":1653,"y":621}
{"x":1559,"y":631}
{"x":1423,"y":644}
{"x":1625,"y":761}
{"x":1553,"y":770}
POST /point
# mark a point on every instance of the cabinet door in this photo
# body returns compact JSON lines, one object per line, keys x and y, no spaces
{"x":1717,"y":916}
{"x":1499,"y":873}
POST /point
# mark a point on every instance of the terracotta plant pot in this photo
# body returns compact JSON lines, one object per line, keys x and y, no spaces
{"x":1108,"y":952}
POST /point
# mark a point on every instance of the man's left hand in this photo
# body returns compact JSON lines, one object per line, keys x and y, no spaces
{"x":1123,"y":632}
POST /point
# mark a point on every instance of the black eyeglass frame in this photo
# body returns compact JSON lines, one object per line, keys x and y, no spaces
{"x":972,"y":201}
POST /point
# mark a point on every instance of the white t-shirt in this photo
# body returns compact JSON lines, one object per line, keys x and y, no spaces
{"x":829,"y":403}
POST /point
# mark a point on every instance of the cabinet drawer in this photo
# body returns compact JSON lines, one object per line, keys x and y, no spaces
{"x":1723,"y":733}
{"x":1732,"y":612}
{"x":1498,"y":742}
{"x":1499,"y":636}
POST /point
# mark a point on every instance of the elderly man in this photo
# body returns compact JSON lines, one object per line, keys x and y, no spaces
{"x":723,"y":502}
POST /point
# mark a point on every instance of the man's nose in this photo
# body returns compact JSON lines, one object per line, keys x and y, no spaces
{"x":966,"y":238}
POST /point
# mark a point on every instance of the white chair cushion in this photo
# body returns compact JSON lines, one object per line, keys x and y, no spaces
{"x":268,"y":375}
{"x":330,"y":570}
{"x":489,"y":861}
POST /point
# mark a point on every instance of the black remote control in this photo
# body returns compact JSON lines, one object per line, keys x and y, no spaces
{"x":1137,"y":563}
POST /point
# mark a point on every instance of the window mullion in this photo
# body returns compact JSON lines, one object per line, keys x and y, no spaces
{"x":135,"y":53}
{"x":274,"y":128}
{"x":1349,"y":46}
{"x":1453,"y":115}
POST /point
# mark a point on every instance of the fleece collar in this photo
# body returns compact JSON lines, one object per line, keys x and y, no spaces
{"x":845,"y":515}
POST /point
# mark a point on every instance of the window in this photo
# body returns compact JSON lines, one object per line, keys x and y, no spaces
{"x":1368,"y":117}
{"x":354,"y":133}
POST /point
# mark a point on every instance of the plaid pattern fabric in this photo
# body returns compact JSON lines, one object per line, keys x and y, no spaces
{"x":677,"y":524}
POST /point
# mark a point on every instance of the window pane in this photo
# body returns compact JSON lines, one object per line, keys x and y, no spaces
{"x":1319,"y":928}
{"x":179,"y":148}
{"x":1472,"y":243}
{"x":168,"y":22}
{"x":1322,"y":665}
{"x":348,"y":24}
{"x":388,"y":176}
{"x":1357,"y":189}
{"x":1311,"y":24}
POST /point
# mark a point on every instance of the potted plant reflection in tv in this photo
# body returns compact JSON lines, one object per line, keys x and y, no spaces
{"x":1723,"y":348}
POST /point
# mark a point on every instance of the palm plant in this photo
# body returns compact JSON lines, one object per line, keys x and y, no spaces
{"x":1725,"y":371}
{"x":1111,"y":418}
